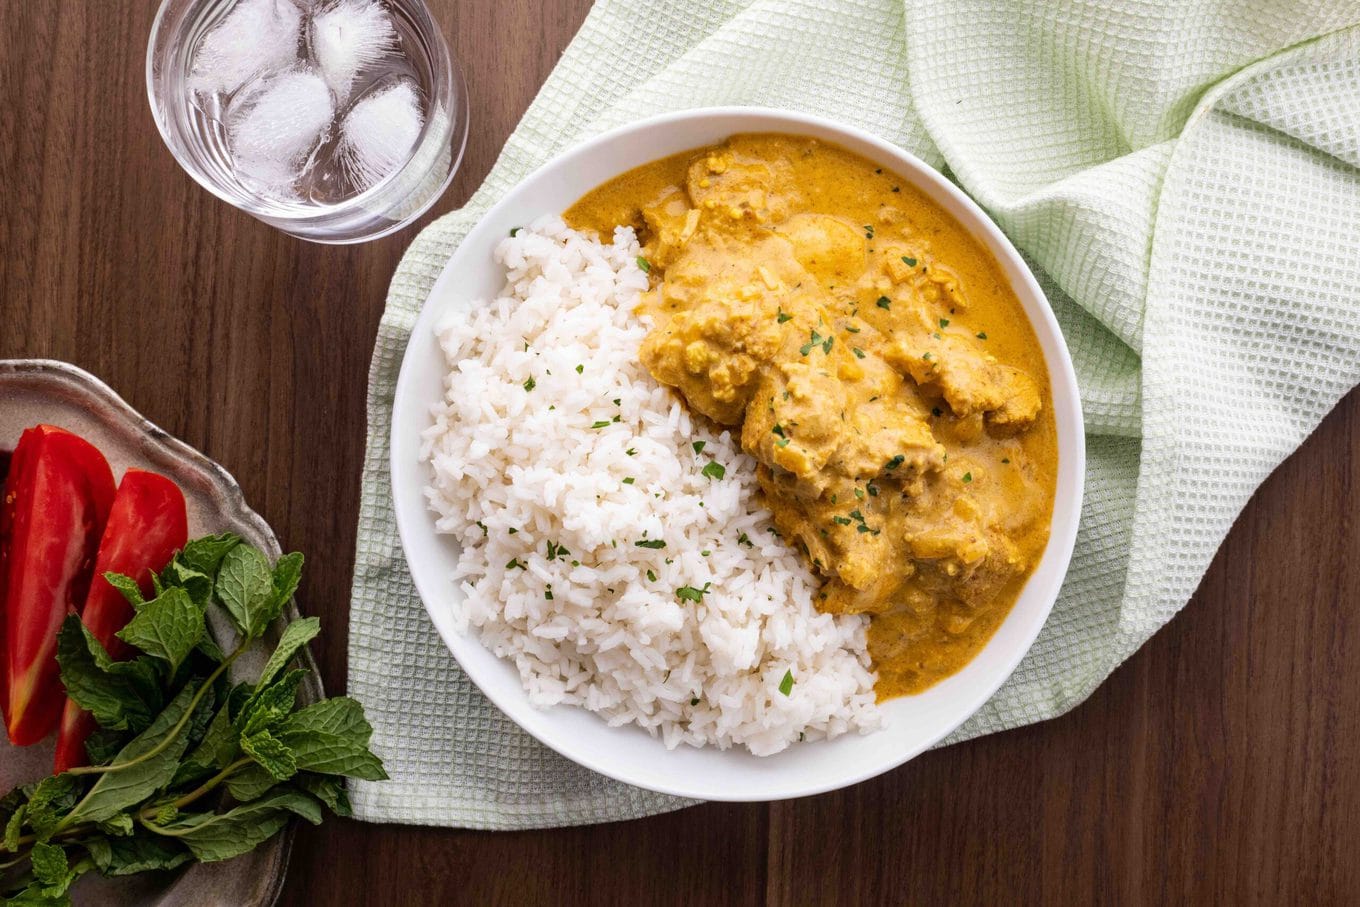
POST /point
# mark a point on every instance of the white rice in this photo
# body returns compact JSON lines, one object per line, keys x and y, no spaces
{"x":519,"y":472}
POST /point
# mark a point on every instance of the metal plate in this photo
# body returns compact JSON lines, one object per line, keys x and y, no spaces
{"x":38,"y":390}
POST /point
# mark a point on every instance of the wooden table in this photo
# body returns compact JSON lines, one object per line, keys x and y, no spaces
{"x":1220,"y":764}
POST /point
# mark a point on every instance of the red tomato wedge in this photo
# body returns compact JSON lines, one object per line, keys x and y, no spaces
{"x":56,"y":501}
{"x":147,"y":525}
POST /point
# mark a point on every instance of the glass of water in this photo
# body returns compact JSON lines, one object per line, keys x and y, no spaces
{"x":336,"y":121}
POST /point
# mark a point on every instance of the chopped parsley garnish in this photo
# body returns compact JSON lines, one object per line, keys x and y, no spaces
{"x":512,"y":530}
{"x":868,"y":231}
{"x":555,"y":551}
{"x":654,"y":544}
{"x":841,"y":520}
{"x":815,"y":340}
{"x":783,"y":317}
{"x":603,"y":423}
{"x":547,"y":593}
{"x":884,"y":302}
{"x":859,"y":494}
{"x":530,"y":384}
{"x":644,"y":264}
{"x":691,"y":594}
{"x":826,"y":346}
{"x":944,"y":322}
{"x":745,"y":539}
{"x":694,"y":701}
{"x":926,"y":355}
{"x":852,"y":329}
{"x":630,"y":452}
{"x":514,"y":230}
{"x":514,"y":564}
{"x":1006,"y":460}
{"x":909,"y":261}
{"x":894,"y":462}
{"x":982,"y":335}
{"x":699,"y":446}
{"x":580,"y":369}
{"x":779,"y":430}
{"x":651,"y":576}
{"x":715,"y":470}
{"x":618,"y":401}
{"x":859,"y":353}
{"x":783,"y":443}
{"x":872,"y":489}
{"x":786,"y":685}
{"x":482,"y":526}
{"x":705,"y":553}
{"x":629,"y":480}
{"x":968,"y":477}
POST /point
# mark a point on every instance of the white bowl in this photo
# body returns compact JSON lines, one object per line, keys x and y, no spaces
{"x":629,"y":753}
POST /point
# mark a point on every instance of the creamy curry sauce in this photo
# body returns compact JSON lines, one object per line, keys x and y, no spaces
{"x":879,"y":368}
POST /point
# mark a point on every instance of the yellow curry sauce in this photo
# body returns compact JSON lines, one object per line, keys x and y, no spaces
{"x":879,"y":367}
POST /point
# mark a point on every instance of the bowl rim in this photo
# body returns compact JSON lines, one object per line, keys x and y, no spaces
{"x":1072,"y":454}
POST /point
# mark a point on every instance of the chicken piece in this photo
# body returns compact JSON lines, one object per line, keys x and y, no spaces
{"x":738,"y":189}
{"x":969,"y":379}
{"x":832,"y":249}
{"x":670,"y":222}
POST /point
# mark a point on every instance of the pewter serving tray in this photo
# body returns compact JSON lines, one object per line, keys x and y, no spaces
{"x":37,"y":390}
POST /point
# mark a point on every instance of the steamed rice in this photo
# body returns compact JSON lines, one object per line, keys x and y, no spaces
{"x":562,"y":467}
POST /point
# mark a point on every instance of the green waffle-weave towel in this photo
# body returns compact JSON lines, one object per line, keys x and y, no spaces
{"x":1182,"y":176}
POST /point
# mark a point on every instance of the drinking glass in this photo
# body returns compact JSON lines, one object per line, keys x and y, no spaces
{"x":196,"y":125}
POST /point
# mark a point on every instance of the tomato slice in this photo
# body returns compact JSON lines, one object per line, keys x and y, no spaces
{"x":56,"y":501}
{"x":147,"y":525}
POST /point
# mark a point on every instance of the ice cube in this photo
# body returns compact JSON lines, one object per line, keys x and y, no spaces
{"x":278,"y":126}
{"x":377,"y":135}
{"x":348,"y":36}
{"x":257,"y":36}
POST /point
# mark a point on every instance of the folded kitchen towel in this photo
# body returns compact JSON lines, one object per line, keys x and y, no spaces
{"x":1184,"y":179}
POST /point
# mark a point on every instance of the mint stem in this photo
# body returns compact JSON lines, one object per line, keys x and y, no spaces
{"x":174,"y":731}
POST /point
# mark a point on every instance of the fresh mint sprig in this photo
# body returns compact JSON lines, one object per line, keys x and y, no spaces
{"x":185,"y":765}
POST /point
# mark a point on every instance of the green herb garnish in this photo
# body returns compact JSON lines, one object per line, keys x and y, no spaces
{"x":884,"y":303}
{"x":655,"y":544}
{"x":644,"y":264}
{"x":909,"y":261}
{"x":602,"y":423}
{"x":715,"y":470}
{"x":894,"y":462}
{"x":691,"y":594}
{"x":786,"y":685}
{"x":530,"y":383}
{"x":175,"y":733}
{"x":699,"y":446}
{"x":859,"y":353}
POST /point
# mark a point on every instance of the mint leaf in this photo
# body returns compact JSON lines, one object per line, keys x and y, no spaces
{"x":103,"y":745}
{"x":331,"y":737}
{"x":245,"y":587}
{"x":250,"y":783}
{"x":127,"y":586}
{"x":120,"y":788}
{"x":287,"y":575}
{"x":271,"y":754}
{"x":127,"y":856}
{"x":205,"y":554}
{"x":221,"y":836}
{"x":270,"y":705}
{"x":14,"y":827}
{"x":121,"y":695}
{"x":120,"y":825}
{"x":219,"y":745}
{"x":294,"y":637}
{"x":197,"y":584}
{"x":50,"y":800}
{"x":329,"y":789}
{"x":50,"y":865}
{"x":168,"y":627}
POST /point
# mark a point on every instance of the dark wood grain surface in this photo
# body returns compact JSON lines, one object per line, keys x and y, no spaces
{"x":1220,"y":764}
